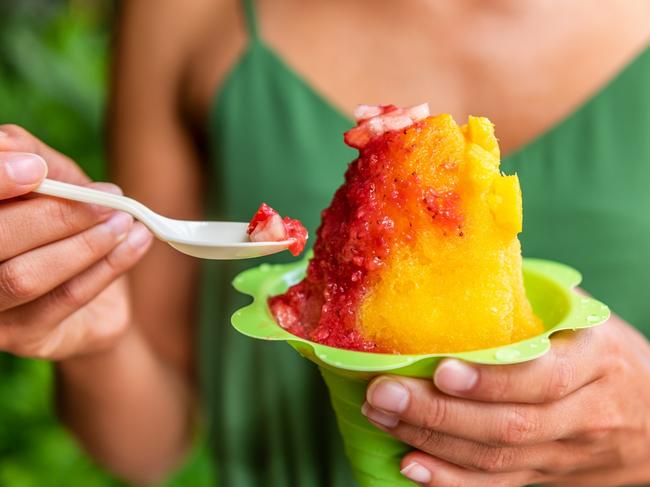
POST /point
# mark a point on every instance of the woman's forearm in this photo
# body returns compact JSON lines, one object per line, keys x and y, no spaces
{"x":129,"y":410}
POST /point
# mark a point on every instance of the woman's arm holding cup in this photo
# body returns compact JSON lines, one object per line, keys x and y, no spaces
{"x":580,"y":415}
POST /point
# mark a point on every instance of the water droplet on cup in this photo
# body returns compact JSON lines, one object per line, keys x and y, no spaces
{"x":265,"y":267}
{"x":507,"y":355}
{"x":593,"y":319}
{"x":534,"y":345}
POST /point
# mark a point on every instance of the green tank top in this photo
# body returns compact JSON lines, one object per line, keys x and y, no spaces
{"x":274,"y":139}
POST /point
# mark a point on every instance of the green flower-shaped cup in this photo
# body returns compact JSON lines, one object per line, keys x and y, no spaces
{"x":374,"y":455}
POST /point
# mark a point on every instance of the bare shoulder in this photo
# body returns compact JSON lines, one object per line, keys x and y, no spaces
{"x":160,"y":38}
{"x":217,"y":39}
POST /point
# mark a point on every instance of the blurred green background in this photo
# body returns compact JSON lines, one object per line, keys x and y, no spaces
{"x":53,"y":71}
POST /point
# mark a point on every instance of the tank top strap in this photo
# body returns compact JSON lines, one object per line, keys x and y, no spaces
{"x":251,"y":19}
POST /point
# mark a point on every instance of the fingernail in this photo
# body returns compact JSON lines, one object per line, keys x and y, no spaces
{"x":119,"y":224}
{"x":388,"y":395}
{"x":139,"y":236}
{"x":455,"y":375}
{"x":23,"y":168}
{"x":384,"y":419}
{"x":417,"y":473}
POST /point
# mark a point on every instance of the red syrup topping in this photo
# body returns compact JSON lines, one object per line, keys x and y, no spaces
{"x":367,"y":214}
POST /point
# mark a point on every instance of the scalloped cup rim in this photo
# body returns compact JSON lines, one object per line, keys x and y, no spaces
{"x":256,"y":321}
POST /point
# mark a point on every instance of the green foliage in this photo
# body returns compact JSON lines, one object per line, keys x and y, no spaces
{"x":34,"y":449}
{"x":52,"y":81}
{"x":52,"y":76}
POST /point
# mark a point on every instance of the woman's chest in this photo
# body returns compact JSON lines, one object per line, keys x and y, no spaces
{"x":524,"y":70}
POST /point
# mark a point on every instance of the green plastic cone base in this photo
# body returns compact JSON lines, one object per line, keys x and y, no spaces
{"x":374,"y":455}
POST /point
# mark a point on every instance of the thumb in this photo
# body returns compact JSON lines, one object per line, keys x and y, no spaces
{"x":20,"y":173}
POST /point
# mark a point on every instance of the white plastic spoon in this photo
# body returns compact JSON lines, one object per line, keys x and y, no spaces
{"x":206,"y":240}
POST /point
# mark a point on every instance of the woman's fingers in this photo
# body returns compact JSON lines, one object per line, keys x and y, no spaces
{"x":467,"y":453}
{"x":556,"y":457}
{"x":20,"y":173}
{"x":31,"y":223}
{"x":573,"y":361}
{"x":429,"y":471}
{"x":47,"y":312}
{"x":35,"y":273}
{"x":419,"y":403}
{"x":62,"y":168}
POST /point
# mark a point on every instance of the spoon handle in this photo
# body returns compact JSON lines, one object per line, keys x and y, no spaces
{"x":86,"y":195}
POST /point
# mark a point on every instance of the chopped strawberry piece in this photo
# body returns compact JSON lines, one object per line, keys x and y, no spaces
{"x":364,"y":112}
{"x":373,"y":121}
{"x":357,"y":137}
{"x":418,"y":112}
{"x":264,"y":212}
{"x":268,"y":226}
{"x":270,"y":230}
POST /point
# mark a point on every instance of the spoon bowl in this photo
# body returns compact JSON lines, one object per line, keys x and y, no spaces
{"x":202,"y":239}
{"x":214,"y":240}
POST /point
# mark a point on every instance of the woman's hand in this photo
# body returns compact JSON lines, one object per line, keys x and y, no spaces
{"x":580,"y":415}
{"x":59,"y":260}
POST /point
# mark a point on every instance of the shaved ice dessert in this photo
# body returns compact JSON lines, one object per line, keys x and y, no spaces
{"x":418,"y":251}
